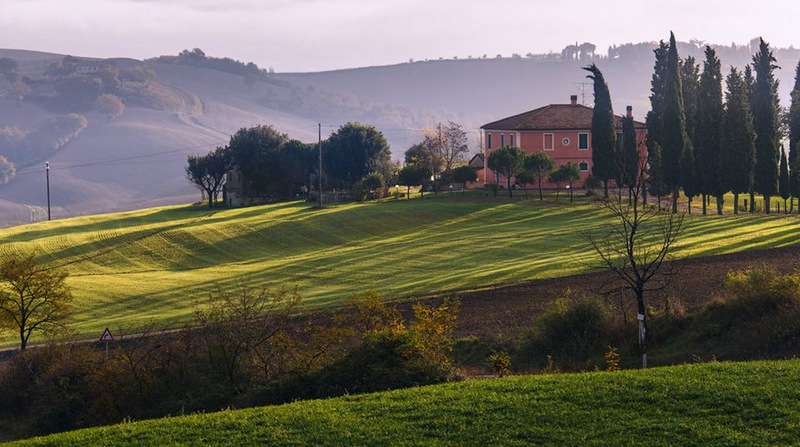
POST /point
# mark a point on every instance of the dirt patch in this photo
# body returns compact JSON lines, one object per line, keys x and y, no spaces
{"x":507,"y":311}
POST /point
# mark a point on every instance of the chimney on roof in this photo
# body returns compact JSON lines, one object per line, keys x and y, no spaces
{"x":630,"y":111}
{"x":573,"y":100}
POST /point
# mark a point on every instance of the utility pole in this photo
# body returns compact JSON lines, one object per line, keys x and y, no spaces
{"x":319,"y":176}
{"x":47,"y":170}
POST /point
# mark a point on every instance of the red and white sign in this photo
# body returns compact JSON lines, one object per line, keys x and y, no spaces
{"x":106,"y":337}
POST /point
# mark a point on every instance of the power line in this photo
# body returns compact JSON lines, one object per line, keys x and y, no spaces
{"x":112,"y":161}
{"x":120,"y":160}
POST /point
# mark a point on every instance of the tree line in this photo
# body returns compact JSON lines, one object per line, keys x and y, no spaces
{"x":511,"y":162}
{"x":272,"y":165}
{"x":699,"y":143}
{"x":355,"y":159}
{"x":706,"y":146}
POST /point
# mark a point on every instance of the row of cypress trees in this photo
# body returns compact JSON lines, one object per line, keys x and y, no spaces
{"x":707,"y":147}
{"x":696,"y":141}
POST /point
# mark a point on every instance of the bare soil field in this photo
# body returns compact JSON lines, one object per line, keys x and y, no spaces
{"x":507,"y":310}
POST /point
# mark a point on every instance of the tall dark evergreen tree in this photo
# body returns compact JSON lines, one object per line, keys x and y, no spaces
{"x":708,"y":132}
{"x":766,"y":121}
{"x":655,"y":173}
{"x":794,"y":139}
{"x":749,"y":83}
{"x":630,"y":154}
{"x":673,"y":133}
{"x":738,"y":138}
{"x":603,"y":133}
{"x":783,"y":181}
{"x":688,"y":174}
{"x":655,"y":123}
{"x":690,"y":84}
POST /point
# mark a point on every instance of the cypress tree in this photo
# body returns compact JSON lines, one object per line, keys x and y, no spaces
{"x":690,"y":75}
{"x":690,"y":84}
{"x":603,"y":133}
{"x":749,"y":82}
{"x":766,"y":123}
{"x":673,"y":133}
{"x":655,"y":173}
{"x":630,"y":153}
{"x":688,"y":174}
{"x":620,"y":177}
{"x":738,"y":137}
{"x":794,"y":139}
{"x":783,"y":183}
{"x":654,"y":122}
{"x":708,"y":133}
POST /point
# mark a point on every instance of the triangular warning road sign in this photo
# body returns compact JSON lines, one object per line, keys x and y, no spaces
{"x":106,"y":336}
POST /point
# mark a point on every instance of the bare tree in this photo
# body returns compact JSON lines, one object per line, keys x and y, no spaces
{"x":636,"y":243}
{"x":32,"y":298}
{"x":454,"y":145}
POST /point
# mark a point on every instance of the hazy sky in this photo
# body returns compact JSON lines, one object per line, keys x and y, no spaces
{"x":312,"y":35}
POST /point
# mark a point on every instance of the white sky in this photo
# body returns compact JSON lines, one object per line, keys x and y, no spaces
{"x":312,"y":35}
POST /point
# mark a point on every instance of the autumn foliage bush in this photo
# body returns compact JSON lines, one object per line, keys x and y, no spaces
{"x":244,"y":348}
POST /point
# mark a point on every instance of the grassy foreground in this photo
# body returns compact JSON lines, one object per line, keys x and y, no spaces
{"x":127,"y":269}
{"x":724,"y":404}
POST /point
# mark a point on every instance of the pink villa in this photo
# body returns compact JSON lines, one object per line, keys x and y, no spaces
{"x":562,"y":130}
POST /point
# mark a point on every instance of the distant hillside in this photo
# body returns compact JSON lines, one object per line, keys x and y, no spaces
{"x":717,"y":404}
{"x":478,"y":91}
{"x":137,"y":159}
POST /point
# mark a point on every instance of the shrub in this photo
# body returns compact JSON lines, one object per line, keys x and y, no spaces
{"x":375,"y":184}
{"x":384,"y":360}
{"x":757,"y":317}
{"x":500,"y":362}
{"x":592,"y":183}
{"x":575,"y":330}
{"x":390,"y":355}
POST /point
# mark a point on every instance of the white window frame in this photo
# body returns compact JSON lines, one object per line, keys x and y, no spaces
{"x":488,"y":141}
{"x":587,"y":166}
{"x":552,"y":142}
{"x":502,"y":139}
{"x":511,"y":139}
{"x":587,"y":141}
{"x":565,"y":141}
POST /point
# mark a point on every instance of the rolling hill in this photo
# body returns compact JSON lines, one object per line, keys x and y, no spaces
{"x":132,"y":268}
{"x":710,"y":404}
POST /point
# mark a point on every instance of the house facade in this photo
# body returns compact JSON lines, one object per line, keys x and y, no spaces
{"x":564,"y":131}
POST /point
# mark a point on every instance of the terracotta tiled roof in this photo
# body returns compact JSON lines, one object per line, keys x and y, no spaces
{"x":552,"y":117}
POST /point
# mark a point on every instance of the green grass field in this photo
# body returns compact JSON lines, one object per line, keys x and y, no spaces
{"x":715,"y":404}
{"x":131,"y":268}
